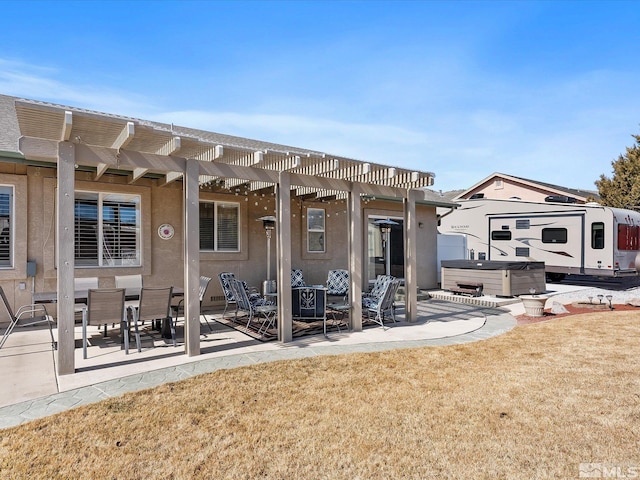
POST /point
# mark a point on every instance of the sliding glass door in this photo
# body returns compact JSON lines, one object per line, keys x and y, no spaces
{"x":385,"y":250}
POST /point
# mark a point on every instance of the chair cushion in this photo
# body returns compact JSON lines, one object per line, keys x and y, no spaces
{"x":338,"y":282}
{"x":297,"y":278}
{"x":369,"y":302}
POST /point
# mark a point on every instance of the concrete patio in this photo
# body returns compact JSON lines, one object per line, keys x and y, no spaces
{"x":32,"y":389}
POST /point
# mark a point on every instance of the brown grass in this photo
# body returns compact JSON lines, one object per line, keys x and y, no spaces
{"x":533,"y":403}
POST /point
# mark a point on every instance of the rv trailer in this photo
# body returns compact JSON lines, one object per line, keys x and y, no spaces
{"x":569,"y":238}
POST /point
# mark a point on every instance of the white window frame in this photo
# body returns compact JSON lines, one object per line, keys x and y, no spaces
{"x":216,"y":240}
{"x":11,"y":190}
{"x":102,"y":253}
{"x":312,"y":230}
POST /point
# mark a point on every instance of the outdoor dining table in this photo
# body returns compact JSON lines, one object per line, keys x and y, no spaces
{"x":131,"y":295}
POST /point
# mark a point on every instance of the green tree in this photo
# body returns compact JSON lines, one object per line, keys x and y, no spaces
{"x":622,"y":190}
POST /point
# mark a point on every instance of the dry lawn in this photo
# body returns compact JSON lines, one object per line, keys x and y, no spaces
{"x":533,"y":403}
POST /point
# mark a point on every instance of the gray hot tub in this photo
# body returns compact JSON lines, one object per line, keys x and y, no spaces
{"x":500,"y":278}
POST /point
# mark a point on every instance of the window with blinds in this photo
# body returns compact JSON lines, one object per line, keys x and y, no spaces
{"x":220,"y":227}
{"x":6,"y":224}
{"x":107,"y":229}
{"x":315,"y":230}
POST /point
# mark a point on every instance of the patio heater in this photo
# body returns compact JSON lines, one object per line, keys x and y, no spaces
{"x":385,"y":230}
{"x":269,"y":224}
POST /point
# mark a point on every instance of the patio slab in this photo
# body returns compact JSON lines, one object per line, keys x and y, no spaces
{"x":29,"y":364}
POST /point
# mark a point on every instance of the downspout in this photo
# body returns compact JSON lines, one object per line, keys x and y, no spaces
{"x":448,"y":213}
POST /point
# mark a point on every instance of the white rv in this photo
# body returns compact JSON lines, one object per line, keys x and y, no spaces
{"x":569,"y":238}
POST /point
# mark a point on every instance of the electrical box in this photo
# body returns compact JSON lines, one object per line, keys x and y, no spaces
{"x":31,"y":269}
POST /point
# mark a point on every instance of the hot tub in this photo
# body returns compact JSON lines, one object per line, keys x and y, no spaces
{"x":500,"y":278}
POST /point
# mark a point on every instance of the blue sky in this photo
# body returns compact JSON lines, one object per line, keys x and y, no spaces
{"x":542,"y":90}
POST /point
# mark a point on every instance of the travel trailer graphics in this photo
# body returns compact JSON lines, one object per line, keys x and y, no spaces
{"x":568,"y":238}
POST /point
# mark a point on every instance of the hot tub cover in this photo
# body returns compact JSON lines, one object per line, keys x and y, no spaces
{"x":492,"y":265}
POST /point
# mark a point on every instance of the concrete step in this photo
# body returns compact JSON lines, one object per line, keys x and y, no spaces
{"x":400,"y":294}
{"x":483,"y":301}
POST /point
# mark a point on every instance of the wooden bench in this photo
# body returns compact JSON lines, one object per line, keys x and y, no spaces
{"x":473,"y":289}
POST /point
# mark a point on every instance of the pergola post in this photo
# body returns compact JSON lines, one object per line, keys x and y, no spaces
{"x":355,"y":257}
{"x":191,"y":243}
{"x":65,"y":257}
{"x":283,"y":234}
{"x":410,"y":257}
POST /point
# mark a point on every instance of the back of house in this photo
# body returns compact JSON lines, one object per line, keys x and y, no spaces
{"x":569,"y":238}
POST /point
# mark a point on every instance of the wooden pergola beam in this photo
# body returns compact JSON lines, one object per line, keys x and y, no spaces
{"x":67,"y":126}
{"x":172,"y":147}
{"x":126,"y":135}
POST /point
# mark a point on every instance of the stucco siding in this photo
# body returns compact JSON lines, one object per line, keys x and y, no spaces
{"x":163,"y":260}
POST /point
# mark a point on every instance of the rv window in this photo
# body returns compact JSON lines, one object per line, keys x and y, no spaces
{"x":628,"y":237}
{"x":522,"y":251}
{"x":597,"y":235}
{"x":501,"y":235}
{"x":523,"y":224}
{"x":554,"y":235}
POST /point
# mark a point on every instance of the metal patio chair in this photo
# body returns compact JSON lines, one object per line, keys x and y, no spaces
{"x":338,"y":283}
{"x":297,"y":278}
{"x":104,"y":306}
{"x":130,"y":282}
{"x":26,"y":316}
{"x":81,"y":284}
{"x":225,"y":279}
{"x":268,"y":312}
{"x":372,"y":297}
{"x":384,"y":305}
{"x":154,"y":304}
{"x":204,"y":284}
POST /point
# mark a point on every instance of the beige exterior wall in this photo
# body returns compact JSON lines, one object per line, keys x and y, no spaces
{"x":426,"y":238}
{"x":12,"y":278}
{"x":162,"y":260}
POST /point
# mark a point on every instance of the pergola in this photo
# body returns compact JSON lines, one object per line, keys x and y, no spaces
{"x":73,"y":139}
